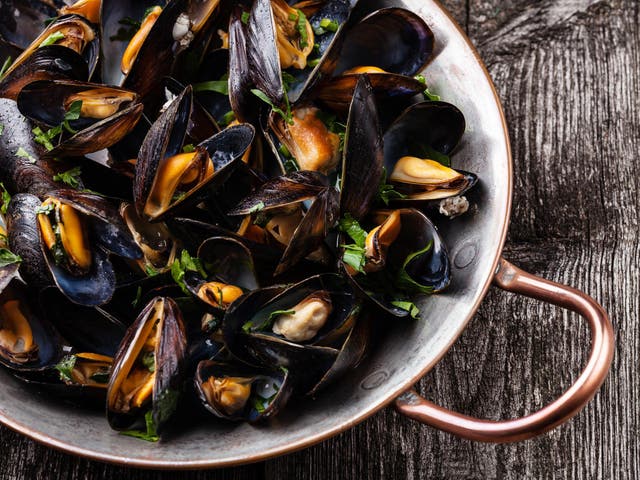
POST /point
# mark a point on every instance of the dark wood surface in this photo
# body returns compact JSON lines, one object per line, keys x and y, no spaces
{"x":568,"y":74}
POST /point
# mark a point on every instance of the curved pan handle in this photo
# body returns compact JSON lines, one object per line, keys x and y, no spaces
{"x":512,"y":279}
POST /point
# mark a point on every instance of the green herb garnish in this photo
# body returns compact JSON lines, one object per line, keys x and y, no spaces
{"x":186,"y":263}
{"x":355,"y":257}
{"x":219,"y":86}
{"x":51,"y":39}
{"x":301,"y":25}
{"x":190,"y":148}
{"x":136,"y":300}
{"x":150,"y":271}
{"x":45,"y":209}
{"x":150,"y":435}
{"x":7,"y":257}
{"x":245,"y":17}
{"x":6,"y":198}
{"x":404,"y":282}
{"x":257,"y":208}
{"x":351,"y":227}
{"x":432,"y":97}
{"x":70,"y":177}
{"x":248,"y":327}
{"x":65,"y":367}
{"x":21,"y":152}
{"x":410,"y":307}
{"x":149,"y":361}
{"x":5,"y":66}
{"x":387,"y":192}
{"x":72,"y":114}
{"x":227,"y":118}
{"x":287,"y":116}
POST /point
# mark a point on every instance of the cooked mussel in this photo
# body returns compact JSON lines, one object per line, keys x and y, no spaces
{"x":85,"y":369}
{"x":401,"y":256}
{"x":90,"y":117}
{"x":27,"y":341}
{"x":148,"y":368}
{"x":416,"y":149}
{"x":230,"y":272}
{"x":239,"y":393}
{"x":89,"y":9}
{"x":167,"y":176}
{"x":280,"y":202}
{"x":70,"y":32}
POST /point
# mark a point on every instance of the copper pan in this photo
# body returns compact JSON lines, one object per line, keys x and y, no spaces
{"x":410,"y":351}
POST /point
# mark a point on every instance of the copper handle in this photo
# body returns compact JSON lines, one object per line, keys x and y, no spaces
{"x":512,"y":279}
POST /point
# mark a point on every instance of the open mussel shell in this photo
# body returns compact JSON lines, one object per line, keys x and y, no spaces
{"x":107,"y":114}
{"x":393,"y":39}
{"x":287,"y":191}
{"x":249,"y":326}
{"x":240,"y":393}
{"x":338,"y":92}
{"x":429,"y":272}
{"x":40,"y":61}
{"x":148,"y":368}
{"x":228,"y":263}
{"x":46,"y":63}
{"x":87,"y":329}
{"x":109,"y":228}
{"x":28,"y":342}
{"x":425,"y":130}
{"x":165,"y":141}
{"x":202,"y":125}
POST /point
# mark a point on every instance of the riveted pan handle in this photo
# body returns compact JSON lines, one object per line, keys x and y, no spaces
{"x":512,"y":279}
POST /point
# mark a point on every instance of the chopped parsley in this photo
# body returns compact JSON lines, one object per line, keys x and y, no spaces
{"x":432,"y":97}
{"x":1,"y":128}
{"x":227,"y":118}
{"x":72,"y":114}
{"x":45,"y":138}
{"x":249,"y":327}
{"x":22,"y":153}
{"x":6,"y":199}
{"x":332,"y":124}
{"x":70,"y":177}
{"x":45,"y":209}
{"x":326,"y":25}
{"x":287,"y":116}
{"x":150,"y":271}
{"x":387,"y":192}
{"x":149,"y":361}
{"x":5,"y":66}
{"x":188,"y":148}
{"x":354,"y":254}
{"x":301,"y":25}
{"x":245,"y":17}
{"x":405,"y":282}
{"x":150,"y":435}
{"x":258,"y":207}
{"x":65,"y":368}
{"x":136,"y":300}
{"x":51,"y":39}
{"x":8,"y":258}
{"x":410,"y":307}
{"x":186,"y":263}
{"x":219,"y":86}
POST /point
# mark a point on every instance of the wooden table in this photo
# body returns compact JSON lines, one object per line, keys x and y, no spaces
{"x":568,"y":73}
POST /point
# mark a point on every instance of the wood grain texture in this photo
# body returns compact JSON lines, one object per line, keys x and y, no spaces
{"x":568,"y":73}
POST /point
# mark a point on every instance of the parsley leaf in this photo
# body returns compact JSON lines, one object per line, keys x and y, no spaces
{"x":351,"y":227}
{"x":248,"y":327}
{"x":150,"y":435}
{"x":45,"y":209}
{"x":301,"y":25}
{"x":136,"y":300}
{"x":432,"y":97}
{"x":21,"y":152}
{"x":227,"y":118}
{"x":287,"y":116}
{"x":219,"y":86}
{"x":150,"y":271}
{"x":70,"y":177}
{"x":5,"y":66}
{"x":186,"y":263}
{"x":355,"y":257}
{"x":405,"y":282}
{"x":257,"y":208}
{"x":6,"y":198}
{"x":188,"y":148}
{"x":72,"y":114}
{"x":51,"y":39}
{"x":44,"y":138}
{"x":65,"y":367}
{"x":7,"y":257}
{"x":149,"y":361}
{"x":387,"y":192}
{"x":410,"y":307}
{"x":245,"y":17}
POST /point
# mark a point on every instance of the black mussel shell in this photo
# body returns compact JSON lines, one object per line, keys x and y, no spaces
{"x":87,"y":329}
{"x":33,"y":344}
{"x":46,"y":103}
{"x":269,"y":390}
{"x":169,"y":355}
{"x":22,"y":21}
{"x":23,"y":234}
{"x":241,"y":100}
{"x":430,"y":271}
{"x":363,"y":156}
{"x":46,"y":63}
{"x":393,"y":39}
{"x":202,"y":125}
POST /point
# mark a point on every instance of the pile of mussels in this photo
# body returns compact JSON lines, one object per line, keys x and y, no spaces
{"x":214,"y":200}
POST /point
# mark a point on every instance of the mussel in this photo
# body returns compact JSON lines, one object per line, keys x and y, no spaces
{"x":148,"y":368}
